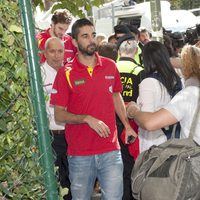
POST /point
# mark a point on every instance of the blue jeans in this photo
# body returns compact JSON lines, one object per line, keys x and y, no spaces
{"x":107,"y":167}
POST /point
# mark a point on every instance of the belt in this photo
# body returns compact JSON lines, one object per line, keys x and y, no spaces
{"x":55,"y":132}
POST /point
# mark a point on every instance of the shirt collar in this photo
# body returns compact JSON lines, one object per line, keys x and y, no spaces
{"x":126,"y":59}
{"x":47,"y":66}
{"x":48,"y":32}
{"x":77,"y":64}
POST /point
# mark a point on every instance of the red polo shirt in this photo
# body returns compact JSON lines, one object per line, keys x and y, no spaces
{"x":70,"y":49}
{"x":92,"y":95}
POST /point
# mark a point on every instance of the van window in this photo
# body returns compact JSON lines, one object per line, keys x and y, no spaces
{"x":135,"y":21}
{"x":196,"y":12}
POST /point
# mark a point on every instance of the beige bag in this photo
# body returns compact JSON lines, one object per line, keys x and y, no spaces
{"x":170,"y":171}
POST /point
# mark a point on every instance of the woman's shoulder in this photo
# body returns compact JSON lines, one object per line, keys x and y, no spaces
{"x":154,"y":86}
{"x":149,"y":82}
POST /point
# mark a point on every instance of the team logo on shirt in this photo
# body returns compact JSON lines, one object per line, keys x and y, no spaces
{"x":109,"y":77}
{"x":79,"y":82}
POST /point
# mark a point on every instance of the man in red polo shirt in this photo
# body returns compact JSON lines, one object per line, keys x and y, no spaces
{"x":87,"y":97}
{"x":60,"y":21}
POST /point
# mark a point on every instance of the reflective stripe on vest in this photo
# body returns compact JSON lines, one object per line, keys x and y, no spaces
{"x":128,"y":67}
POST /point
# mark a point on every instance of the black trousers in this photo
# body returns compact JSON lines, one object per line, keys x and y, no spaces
{"x":59,"y":146}
{"x":128,"y":162}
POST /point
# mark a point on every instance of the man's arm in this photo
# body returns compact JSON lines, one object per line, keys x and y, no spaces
{"x":150,"y":121}
{"x":121,"y":112}
{"x":63,"y":116}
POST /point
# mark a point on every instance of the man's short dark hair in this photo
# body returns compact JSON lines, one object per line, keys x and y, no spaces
{"x":108,"y":50}
{"x":145,"y":30}
{"x":112,"y":37}
{"x":133,"y":29}
{"x":121,"y":28}
{"x":62,"y":16}
{"x":78,"y":24}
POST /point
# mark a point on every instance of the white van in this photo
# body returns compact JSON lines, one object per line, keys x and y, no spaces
{"x":196,"y":12}
{"x":116,"y":12}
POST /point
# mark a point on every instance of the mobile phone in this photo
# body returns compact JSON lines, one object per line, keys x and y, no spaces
{"x":130,"y":139}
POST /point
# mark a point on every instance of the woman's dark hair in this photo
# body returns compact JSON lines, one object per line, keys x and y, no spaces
{"x":169,"y":45}
{"x":78,"y":24}
{"x":156,"y":60}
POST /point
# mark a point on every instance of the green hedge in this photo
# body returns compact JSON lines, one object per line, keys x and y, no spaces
{"x":20,"y":173}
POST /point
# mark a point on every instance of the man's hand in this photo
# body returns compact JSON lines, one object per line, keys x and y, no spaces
{"x":130,"y":135}
{"x":97,"y":125}
{"x":131,"y":109}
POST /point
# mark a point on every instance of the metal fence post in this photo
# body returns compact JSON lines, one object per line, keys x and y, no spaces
{"x":156,"y":20}
{"x":38,"y":100}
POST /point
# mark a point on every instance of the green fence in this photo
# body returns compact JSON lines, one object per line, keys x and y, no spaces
{"x":26,"y":164}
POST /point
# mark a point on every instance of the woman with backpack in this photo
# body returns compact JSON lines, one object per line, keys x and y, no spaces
{"x":171,"y":170}
{"x":156,"y":90}
{"x":182,"y":107}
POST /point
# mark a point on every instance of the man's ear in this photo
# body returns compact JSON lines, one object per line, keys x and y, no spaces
{"x":74,"y":42}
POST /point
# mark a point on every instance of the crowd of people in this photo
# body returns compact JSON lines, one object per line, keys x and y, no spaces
{"x":111,"y":98}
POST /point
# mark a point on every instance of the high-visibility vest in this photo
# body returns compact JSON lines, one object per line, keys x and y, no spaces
{"x":130,"y":78}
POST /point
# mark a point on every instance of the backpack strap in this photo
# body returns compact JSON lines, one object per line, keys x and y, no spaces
{"x":173,"y":131}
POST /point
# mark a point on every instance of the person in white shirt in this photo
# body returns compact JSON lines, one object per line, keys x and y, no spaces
{"x":54,"y":53}
{"x":183,"y":106}
{"x":156,"y":89}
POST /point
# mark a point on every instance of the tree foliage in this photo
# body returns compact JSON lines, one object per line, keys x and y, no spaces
{"x":180,"y":4}
{"x":80,"y":7}
{"x":77,"y":8}
{"x":20,"y":173}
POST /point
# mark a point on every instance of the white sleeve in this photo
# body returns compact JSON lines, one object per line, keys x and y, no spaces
{"x":147,"y":95}
{"x":179,"y":105}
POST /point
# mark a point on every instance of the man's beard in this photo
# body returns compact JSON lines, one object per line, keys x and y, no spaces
{"x":89,"y":50}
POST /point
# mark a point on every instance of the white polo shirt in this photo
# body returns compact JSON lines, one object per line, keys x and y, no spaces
{"x":48,"y":75}
{"x":183,"y":107}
